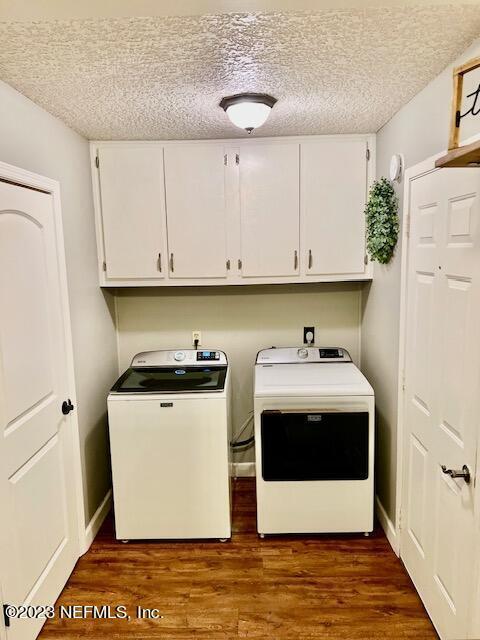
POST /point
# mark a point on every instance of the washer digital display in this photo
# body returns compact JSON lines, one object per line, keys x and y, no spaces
{"x":208,"y":355}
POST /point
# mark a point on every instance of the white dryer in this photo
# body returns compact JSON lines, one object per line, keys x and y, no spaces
{"x":169,"y":423}
{"x":314,"y":441}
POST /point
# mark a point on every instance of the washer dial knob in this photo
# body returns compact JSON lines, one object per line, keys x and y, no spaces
{"x":302,"y":353}
{"x":179,"y":356}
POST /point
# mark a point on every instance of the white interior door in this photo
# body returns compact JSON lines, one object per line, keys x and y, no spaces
{"x":442,"y":399}
{"x":132,"y":194}
{"x":38,"y":532}
{"x":269,"y":209}
{"x":333,"y":192}
{"x":196,"y":211}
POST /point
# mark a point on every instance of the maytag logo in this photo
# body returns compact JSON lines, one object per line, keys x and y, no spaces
{"x":166,"y":404}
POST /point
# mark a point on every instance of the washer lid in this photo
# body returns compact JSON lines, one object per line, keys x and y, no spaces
{"x":311,"y":379}
{"x":178,"y":379}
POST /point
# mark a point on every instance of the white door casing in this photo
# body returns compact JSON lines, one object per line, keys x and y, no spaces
{"x":132,"y":195}
{"x":441,"y":398}
{"x":196,"y":211}
{"x":39,"y":465}
{"x":269,"y":209}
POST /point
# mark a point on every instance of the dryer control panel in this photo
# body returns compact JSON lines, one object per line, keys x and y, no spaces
{"x":290,"y":355}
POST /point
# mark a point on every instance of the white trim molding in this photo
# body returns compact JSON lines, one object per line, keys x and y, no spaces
{"x":387,"y":525}
{"x":97,"y":520}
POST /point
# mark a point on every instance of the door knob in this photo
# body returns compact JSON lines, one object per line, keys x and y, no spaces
{"x":67,"y":406}
{"x":464,"y":473}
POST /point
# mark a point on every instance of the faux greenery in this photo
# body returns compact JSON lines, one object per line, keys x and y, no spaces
{"x":382,"y":221}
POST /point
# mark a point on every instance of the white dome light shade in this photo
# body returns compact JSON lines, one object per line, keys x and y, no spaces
{"x":248,"y":111}
{"x":248,"y":115}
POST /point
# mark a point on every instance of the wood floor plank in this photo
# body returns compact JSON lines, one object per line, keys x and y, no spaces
{"x":339,"y":587}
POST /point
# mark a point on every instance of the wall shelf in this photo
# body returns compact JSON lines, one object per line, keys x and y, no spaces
{"x":467,"y":156}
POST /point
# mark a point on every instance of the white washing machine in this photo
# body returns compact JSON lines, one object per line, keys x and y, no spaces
{"x":314,"y":442}
{"x":169,"y":423}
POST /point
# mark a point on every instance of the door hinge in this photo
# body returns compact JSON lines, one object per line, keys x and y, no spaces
{"x":97,"y":161}
{"x":225,"y":159}
{"x":365,"y":260}
{"x":368,"y":153}
{"x":407,"y":226}
{"x":228,"y":265}
{"x":104,"y":265}
{"x":239,"y":263}
{"x":237,"y":158}
{"x":6,"y":617}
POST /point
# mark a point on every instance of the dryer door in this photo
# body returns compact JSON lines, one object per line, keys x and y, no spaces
{"x":314,"y":445}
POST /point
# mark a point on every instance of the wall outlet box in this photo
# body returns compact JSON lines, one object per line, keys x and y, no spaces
{"x":306,"y":331}
{"x":197,"y":335}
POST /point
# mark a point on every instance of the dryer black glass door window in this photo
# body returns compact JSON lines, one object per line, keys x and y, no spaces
{"x":314,"y":446}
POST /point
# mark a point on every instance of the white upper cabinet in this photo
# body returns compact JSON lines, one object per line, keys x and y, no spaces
{"x":131,"y":192}
{"x":333,"y":194}
{"x":269,"y":209}
{"x":232,"y":212}
{"x":196,"y":210}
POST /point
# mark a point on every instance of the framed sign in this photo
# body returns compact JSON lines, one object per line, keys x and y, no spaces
{"x":473,"y":101}
{"x":465,"y":106}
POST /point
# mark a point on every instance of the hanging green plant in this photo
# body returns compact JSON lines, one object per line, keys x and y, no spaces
{"x":382,"y":221}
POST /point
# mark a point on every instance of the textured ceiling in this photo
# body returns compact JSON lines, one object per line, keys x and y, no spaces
{"x":162,"y":77}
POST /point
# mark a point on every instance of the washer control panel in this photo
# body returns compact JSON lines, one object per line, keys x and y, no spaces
{"x":188,"y":357}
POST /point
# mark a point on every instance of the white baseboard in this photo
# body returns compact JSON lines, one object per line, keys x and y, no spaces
{"x":243,"y":469}
{"x":97,"y":521}
{"x":387,"y":525}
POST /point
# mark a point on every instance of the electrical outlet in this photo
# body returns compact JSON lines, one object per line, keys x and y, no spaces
{"x":307,"y":330}
{"x":197,"y":335}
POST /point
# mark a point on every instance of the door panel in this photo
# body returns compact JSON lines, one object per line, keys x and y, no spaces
{"x":416,"y":499}
{"x":133,"y":212}
{"x":269,"y":209}
{"x":196,"y":211}
{"x":43,"y":470}
{"x":333,"y":195}
{"x":39,"y":531}
{"x":442,"y":379}
{"x":26,"y":345}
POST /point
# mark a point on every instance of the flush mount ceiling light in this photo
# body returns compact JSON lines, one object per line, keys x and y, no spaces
{"x":248,"y":110}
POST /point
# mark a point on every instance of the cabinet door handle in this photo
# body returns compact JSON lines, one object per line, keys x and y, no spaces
{"x":295,"y":260}
{"x":239,"y":263}
{"x":159,"y":262}
{"x":310,"y":259}
{"x":171,"y":263}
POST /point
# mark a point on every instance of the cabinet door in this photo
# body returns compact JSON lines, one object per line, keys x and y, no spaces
{"x":269,"y":209}
{"x":196,"y":212}
{"x":133,"y":212}
{"x":333,"y":192}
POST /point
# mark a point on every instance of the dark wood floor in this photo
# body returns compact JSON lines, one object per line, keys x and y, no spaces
{"x":343,"y":587}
